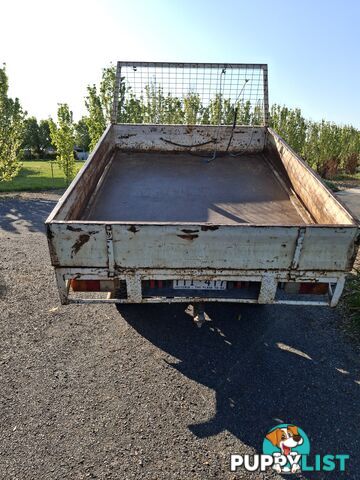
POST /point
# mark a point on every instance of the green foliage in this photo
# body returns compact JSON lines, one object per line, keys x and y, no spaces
{"x":36,"y":136}
{"x":331,"y":186}
{"x":153,"y":106}
{"x":244,"y":113}
{"x":95,"y":120}
{"x":132,"y":111}
{"x":44,"y":136}
{"x":351,"y":149}
{"x":107,"y":87}
{"x":351,"y":297}
{"x":99,"y":103}
{"x":31,"y":134}
{"x":327,"y":147}
{"x":82,"y":136}
{"x":11,"y":130}
{"x":63,"y":137}
{"x":289,"y":124}
{"x":192,"y":108}
{"x":215,"y":110}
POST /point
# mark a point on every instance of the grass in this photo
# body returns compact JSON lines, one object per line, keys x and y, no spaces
{"x":351,"y":296}
{"x":346,"y":180}
{"x":331,"y":185}
{"x":37,"y":175}
{"x":347,"y":176}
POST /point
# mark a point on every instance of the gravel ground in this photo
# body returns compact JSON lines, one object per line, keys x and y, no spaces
{"x":140,"y":392}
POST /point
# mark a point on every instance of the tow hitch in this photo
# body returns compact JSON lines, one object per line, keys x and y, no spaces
{"x":199,"y":314}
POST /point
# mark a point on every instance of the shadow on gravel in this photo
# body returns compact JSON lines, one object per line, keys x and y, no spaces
{"x":272,"y":365}
{"x":18,"y":215}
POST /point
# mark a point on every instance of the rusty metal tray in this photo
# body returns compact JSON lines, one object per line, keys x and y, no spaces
{"x":181,"y":187}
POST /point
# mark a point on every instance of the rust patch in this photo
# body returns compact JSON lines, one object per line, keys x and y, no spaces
{"x":53,"y":255}
{"x":84,"y":238}
{"x":120,"y":137}
{"x":189,"y":236}
{"x":49,"y":233}
{"x":133,"y":229}
{"x":205,"y":228}
{"x":185,"y":230}
{"x":73,"y":229}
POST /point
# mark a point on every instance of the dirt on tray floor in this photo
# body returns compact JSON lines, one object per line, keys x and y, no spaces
{"x":140,"y":392}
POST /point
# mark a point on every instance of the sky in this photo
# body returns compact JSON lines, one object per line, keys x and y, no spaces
{"x":53,"y":49}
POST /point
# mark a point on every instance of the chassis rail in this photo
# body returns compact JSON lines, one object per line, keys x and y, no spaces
{"x":268,"y":280}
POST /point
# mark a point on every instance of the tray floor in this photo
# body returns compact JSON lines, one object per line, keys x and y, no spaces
{"x":180,"y":187}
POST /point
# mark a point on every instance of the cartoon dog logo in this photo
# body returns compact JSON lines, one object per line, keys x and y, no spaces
{"x":286,"y":439}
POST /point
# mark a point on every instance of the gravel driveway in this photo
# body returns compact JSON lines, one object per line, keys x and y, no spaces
{"x":139,"y":392}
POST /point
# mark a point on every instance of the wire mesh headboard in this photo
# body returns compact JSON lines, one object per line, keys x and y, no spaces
{"x":191,"y":93}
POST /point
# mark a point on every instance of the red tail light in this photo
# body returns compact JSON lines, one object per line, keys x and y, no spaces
{"x":92,"y":285}
{"x":306,"y":288}
{"x":314,"y":288}
{"x":85,"y":285}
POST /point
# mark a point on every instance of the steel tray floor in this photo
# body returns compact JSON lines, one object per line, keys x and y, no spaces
{"x":180,"y":187}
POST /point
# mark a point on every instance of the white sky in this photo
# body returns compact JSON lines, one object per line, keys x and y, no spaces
{"x":54,"y":49}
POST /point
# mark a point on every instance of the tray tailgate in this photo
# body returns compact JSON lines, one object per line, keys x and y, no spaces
{"x":201,"y":246}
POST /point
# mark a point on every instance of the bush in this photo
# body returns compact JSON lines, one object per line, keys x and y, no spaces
{"x":351,"y":163}
{"x":328,"y":148}
{"x":329,"y":168}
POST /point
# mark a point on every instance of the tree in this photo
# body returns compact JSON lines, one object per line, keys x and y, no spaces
{"x":82,"y":137}
{"x":11,"y":130}
{"x":107,"y":87}
{"x":290,"y":124}
{"x":95,"y":120}
{"x":99,"y":103}
{"x":192,"y":108}
{"x":36,"y":136}
{"x":63,"y":138}
{"x":44,"y":136}
{"x":31,"y":135}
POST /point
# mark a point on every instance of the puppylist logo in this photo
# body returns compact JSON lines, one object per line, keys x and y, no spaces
{"x":286,"y":449}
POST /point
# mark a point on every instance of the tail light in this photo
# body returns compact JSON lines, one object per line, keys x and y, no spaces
{"x":92,"y":285}
{"x":306,"y":288}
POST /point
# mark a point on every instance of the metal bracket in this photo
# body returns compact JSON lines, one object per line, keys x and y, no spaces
{"x":266,"y":96}
{"x":298,"y":248}
{"x":338,"y":291}
{"x":133,"y":286}
{"x":115,"y":108}
{"x":63,"y":286}
{"x":268,"y":289}
{"x":110,"y":250}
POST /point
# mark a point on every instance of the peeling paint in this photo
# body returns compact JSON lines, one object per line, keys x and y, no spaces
{"x":205,"y":228}
{"x":84,"y":238}
{"x":73,"y":229}
{"x":188,"y":236}
{"x":133,"y":229}
{"x":185,"y":230}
